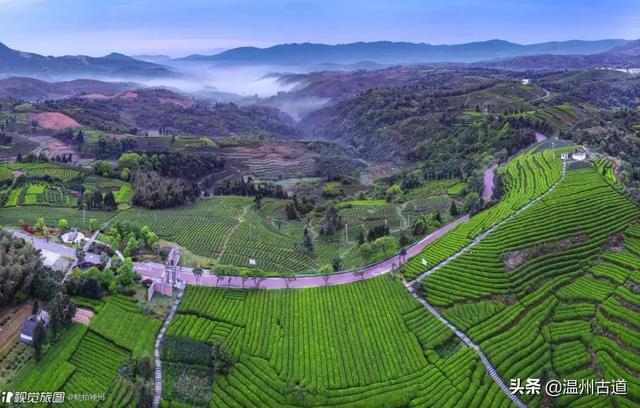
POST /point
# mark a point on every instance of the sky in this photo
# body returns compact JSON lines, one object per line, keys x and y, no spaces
{"x":183,"y":27}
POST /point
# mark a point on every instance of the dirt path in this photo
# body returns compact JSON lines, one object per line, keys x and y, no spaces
{"x":10,"y":332}
{"x":227,"y":236}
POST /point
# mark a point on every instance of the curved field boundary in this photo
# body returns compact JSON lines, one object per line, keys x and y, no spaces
{"x":411,"y":287}
{"x":483,"y":235}
{"x":466,"y":340}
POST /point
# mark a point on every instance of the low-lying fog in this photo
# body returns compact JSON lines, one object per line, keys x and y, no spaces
{"x":239,"y":84}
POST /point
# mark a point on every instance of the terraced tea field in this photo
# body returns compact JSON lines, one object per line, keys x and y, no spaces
{"x":17,"y":216}
{"x":525,"y":177}
{"x":200,"y":227}
{"x":553,"y":292}
{"x":362,"y":344}
{"x":88,"y":360}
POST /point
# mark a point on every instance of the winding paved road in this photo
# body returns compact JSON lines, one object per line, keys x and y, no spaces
{"x":483,"y":235}
{"x":155,"y":270}
{"x":490,"y":173}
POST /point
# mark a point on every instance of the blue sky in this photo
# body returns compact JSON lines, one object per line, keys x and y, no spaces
{"x":181,"y":27}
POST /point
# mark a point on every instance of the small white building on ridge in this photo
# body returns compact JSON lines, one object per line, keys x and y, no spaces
{"x":579,"y":156}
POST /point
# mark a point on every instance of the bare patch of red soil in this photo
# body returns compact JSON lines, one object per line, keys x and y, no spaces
{"x":184,"y":103}
{"x":95,"y":96}
{"x":83,"y":316}
{"x":128,"y":95}
{"x":513,"y":260}
{"x":53,"y":120}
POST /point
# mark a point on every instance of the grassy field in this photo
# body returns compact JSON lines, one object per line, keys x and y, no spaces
{"x":312,"y":347}
{"x":551,"y":293}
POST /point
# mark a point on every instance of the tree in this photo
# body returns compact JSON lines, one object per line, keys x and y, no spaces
{"x":290,"y":209}
{"x":325,"y":270}
{"x":126,"y":276}
{"x":366,"y":252}
{"x":473,"y":203}
{"x":132,"y":245}
{"x":453,"y":209}
{"x":419,"y":228}
{"x":40,"y":224}
{"x":226,"y":271}
{"x":336,"y":263}
{"x":333,"y":221}
{"x":63,"y":224}
{"x":102,"y":168}
{"x":403,"y":255}
{"x":288,"y":277}
{"x":197,"y":272}
{"x":385,"y":244}
{"x":221,"y":357}
{"x":258,"y":276}
{"x":56,"y":315}
{"x":80,"y":253}
{"x":39,"y":340}
{"x":308,"y":242}
{"x":244,"y":275}
{"x":393,"y":191}
{"x":110,"y":200}
{"x":93,"y":224}
{"x":361,"y":238}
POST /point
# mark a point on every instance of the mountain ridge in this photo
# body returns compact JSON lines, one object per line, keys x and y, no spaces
{"x":388,"y":52}
{"x":20,"y":63}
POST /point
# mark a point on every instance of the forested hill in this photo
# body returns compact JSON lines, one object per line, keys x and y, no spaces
{"x":449,"y":124}
{"x":139,"y":110}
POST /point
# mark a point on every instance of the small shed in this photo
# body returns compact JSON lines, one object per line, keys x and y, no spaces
{"x":579,"y":156}
{"x":73,"y":236}
{"x":525,"y":81}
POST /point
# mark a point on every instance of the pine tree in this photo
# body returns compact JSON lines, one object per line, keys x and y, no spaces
{"x":453,"y":210}
{"x":39,"y":340}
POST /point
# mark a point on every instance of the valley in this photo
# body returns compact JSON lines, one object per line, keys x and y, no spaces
{"x":394,"y":225}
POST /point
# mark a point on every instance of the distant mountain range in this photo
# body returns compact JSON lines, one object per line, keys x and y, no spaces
{"x":30,"y":89}
{"x":114,"y":65}
{"x":623,"y":57}
{"x":385,"y":52}
{"x":321,"y":57}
